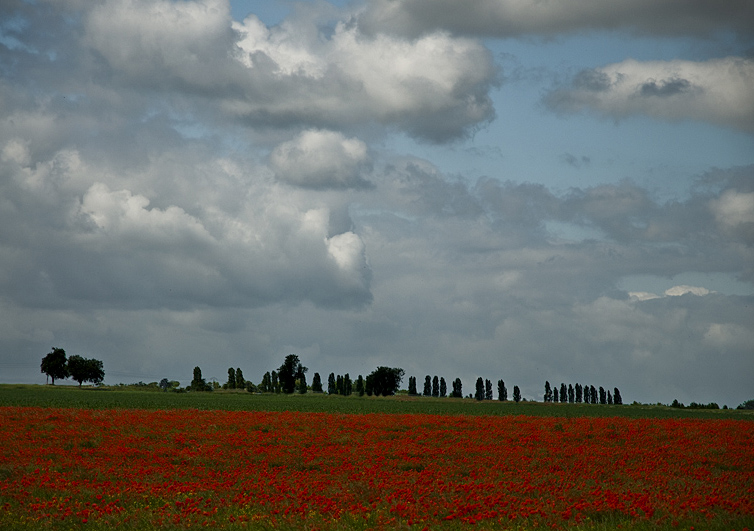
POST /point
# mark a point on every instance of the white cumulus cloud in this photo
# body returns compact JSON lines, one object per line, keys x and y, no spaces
{"x":321,"y":159}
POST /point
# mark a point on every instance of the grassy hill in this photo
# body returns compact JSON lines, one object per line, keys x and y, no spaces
{"x":130,"y":398}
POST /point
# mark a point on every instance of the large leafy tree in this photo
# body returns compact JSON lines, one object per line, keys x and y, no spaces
{"x":385,"y":381}
{"x":290,"y":371}
{"x":85,"y":370}
{"x":55,"y":364}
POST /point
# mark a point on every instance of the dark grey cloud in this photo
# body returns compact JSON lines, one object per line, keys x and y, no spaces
{"x":510,"y":18}
{"x":665,"y":88}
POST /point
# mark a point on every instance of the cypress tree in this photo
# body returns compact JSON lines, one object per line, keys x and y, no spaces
{"x":412,"y":385}
{"x":435,"y":387}
{"x":231,"y":379}
{"x":548,"y":392}
{"x":487,"y":390}
{"x":555,"y":395}
{"x":516,"y":394}
{"x":457,"y":388}
{"x":479,"y":395}
{"x":616,"y":397}
{"x":502,"y":392}
{"x":570,"y":393}
{"x":443,"y":388}
{"x":317,"y":383}
{"x":331,"y":388}
{"x":240,"y":380}
{"x":427,"y":386}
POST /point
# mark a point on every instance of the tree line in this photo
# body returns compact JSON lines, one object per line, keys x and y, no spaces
{"x":290,"y":377}
{"x":578,"y":393}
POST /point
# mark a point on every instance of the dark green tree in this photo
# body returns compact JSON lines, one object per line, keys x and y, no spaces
{"x":570,"y":394}
{"x":360,"y":385}
{"x":479,"y":395}
{"x":386,"y":380}
{"x":317,"y":383}
{"x":240,"y":380}
{"x":587,"y":394}
{"x":266,"y":385}
{"x":603,"y":397}
{"x":502,"y":392}
{"x":231,"y":384}
{"x":347,"y":385}
{"x":331,"y":384}
{"x":563,"y":393}
{"x":369,"y":385}
{"x":548,"y":392}
{"x":617,"y":399}
{"x":275,"y":382}
{"x":85,"y":370}
{"x":290,"y":371}
{"x":487,"y":390}
{"x":302,"y":389}
{"x":516,"y":394}
{"x":578,"y":393}
{"x":609,"y":398}
{"x":55,"y":365}
{"x":443,"y":388}
{"x":436,"y":387}
{"x":164,"y":384}
{"x":555,"y":395}
{"x":412,"y":385}
{"x":457,"y":389}
{"x":427,"y":386}
{"x":339,"y":385}
{"x":198,"y":383}
{"x":593,"y":393}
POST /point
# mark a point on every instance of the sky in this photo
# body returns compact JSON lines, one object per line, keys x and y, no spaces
{"x":507,"y":189}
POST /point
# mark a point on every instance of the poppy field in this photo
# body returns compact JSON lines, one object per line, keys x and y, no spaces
{"x":66,"y":468}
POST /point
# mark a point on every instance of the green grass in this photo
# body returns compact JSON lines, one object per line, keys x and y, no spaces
{"x":117,"y":397}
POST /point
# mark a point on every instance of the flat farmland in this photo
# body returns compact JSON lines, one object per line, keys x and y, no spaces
{"x":183,"y":467}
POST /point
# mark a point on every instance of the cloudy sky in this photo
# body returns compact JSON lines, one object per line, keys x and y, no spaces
{"x":510,"y":189}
